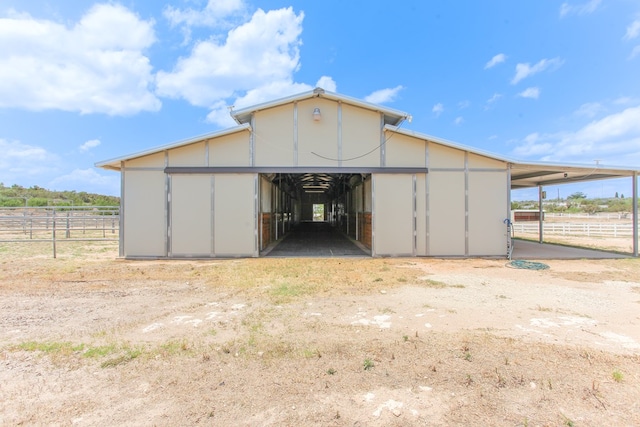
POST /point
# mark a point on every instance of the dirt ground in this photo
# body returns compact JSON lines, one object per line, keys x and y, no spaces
{"x":88,"y":339}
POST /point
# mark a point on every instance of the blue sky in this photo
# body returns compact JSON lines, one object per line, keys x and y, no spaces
{"x":84,"y":81}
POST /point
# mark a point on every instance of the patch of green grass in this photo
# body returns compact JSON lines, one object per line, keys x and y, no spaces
{"x":368,"y":364}
{"x":174,"y":347}
{"x":618,"y":376}
{"x":436,"y":284}
{"x":127,"y":357}
{"x":285,"y":292}
{"x":100,"y":351}
{"x":57,"y":348}
{"x":311,"y":354}
{"x":331,"y":371}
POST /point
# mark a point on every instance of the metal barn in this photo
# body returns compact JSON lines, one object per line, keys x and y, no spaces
{"x":316,"y":155}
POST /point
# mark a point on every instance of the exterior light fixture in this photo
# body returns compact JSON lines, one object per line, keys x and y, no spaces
{"x":316,"y":114}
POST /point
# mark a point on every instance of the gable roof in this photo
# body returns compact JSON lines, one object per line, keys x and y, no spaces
{"x":523,"y":174}
{"x":391,"y":116}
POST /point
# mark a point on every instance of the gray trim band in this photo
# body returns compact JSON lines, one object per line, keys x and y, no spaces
{"x":290,"y":169}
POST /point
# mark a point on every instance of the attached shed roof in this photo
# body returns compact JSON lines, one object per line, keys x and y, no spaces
{"x":532,"y":174}
{"x":391,"y":116}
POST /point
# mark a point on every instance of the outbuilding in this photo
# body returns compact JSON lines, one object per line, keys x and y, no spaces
{"x":349,"y":163}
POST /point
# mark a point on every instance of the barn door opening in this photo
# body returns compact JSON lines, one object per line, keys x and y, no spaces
{"x":331,"y":204}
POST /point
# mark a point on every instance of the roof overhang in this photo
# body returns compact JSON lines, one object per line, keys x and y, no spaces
{"x":114,"y":164}
{"x":391,"y":116}
{"x":533,"y":174}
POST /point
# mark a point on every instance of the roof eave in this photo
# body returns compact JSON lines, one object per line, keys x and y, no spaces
{"x":244,"y":115}
{"x":114,"y":164}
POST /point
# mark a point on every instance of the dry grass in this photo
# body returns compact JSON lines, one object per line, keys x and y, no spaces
{"x":279,"y":342}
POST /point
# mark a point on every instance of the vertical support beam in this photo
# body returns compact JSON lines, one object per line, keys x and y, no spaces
{"x":295,"y":133}
{"x":121,"y":217}
{"x":635,"y":213}
{"x":466,"y":203}
{"x":540,"y":214}
{"x":415,"y":215}
{"x":383,"y":148}
{"x":212,"y":194}
{"x":167,"y":208}
{"x":252,"y":141}
{"x":508,"y":217}
{"x":339,"y":133}
{"x":373,"y":215}
{"x":427,"y":195}
{"x":256,"y":216}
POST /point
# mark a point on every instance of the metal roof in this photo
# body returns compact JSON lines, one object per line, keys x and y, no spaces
{"x":523,"y":174}
{"x":532,"y":174}
{"x":114,"y":164}
{"x":391,"y":116}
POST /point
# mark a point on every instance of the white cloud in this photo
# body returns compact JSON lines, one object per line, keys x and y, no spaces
{"x":589,"y":110}
{"x":531,"y":92}
{"x":614,"y":139}
{"x":327,"y":83}
{"x":19,"y":161}
{"x":635,"y":52}
{"x":458,"y":121}
{"x":464,"y":104}
{"x":92,"y":143}
{"x":87,"y":180}
{"x":279,"y":89}
{"x":383,"y":95}
{"x":525,"y":70}
{"x":633,"y":30}
{"x":215,"y":13}
{"x":261,"y":52}
{"x":492,"y":100}
{"x":497,"y":59}
{"x":437,"y":109}
{"x":94,"y":66}
{"x":579,"y":9}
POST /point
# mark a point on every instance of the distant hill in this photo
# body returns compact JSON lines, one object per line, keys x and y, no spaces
{"x":16,"y":196}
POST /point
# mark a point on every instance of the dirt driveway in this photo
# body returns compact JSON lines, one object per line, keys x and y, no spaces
{"x":87,"y":339}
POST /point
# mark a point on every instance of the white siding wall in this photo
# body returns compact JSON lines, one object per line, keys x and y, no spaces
{"x":145,"y":225}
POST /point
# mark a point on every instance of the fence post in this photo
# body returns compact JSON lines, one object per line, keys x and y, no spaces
{"x":53,"y":232}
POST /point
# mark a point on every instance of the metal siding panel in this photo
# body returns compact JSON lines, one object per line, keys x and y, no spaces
{"x":230,"y":150}
{"x":404,"y":151}
{"x":446,"y":213}
{"x":317,"y":140}
{"x":360,"y":137}
{"x":235,"y":227}
{"x":476,"y":161}
{"x":274,"y":141}
{"x":188,"y":155}
{"x":421,"y":214}
{"x":191,"y":215}
{"x":149,"y":161}
{"x":487,"y":201}
{"x":144,"y":215}
{"x":445,"y":157}
{"x":394,"y":215}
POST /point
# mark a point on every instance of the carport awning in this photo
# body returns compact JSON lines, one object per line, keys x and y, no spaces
{"x":527,"y":175}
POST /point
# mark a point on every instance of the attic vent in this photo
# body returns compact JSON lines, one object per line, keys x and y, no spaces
{"x":318,"y":91}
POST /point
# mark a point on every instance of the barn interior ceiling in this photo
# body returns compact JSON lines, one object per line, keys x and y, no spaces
{"x":329,"y":184}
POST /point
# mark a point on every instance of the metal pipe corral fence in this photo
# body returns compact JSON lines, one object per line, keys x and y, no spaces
{"x":59,"y":224}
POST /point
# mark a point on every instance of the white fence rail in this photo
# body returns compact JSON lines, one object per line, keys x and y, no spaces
{"x":55,"y":224}
{"x":576,"y":229}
